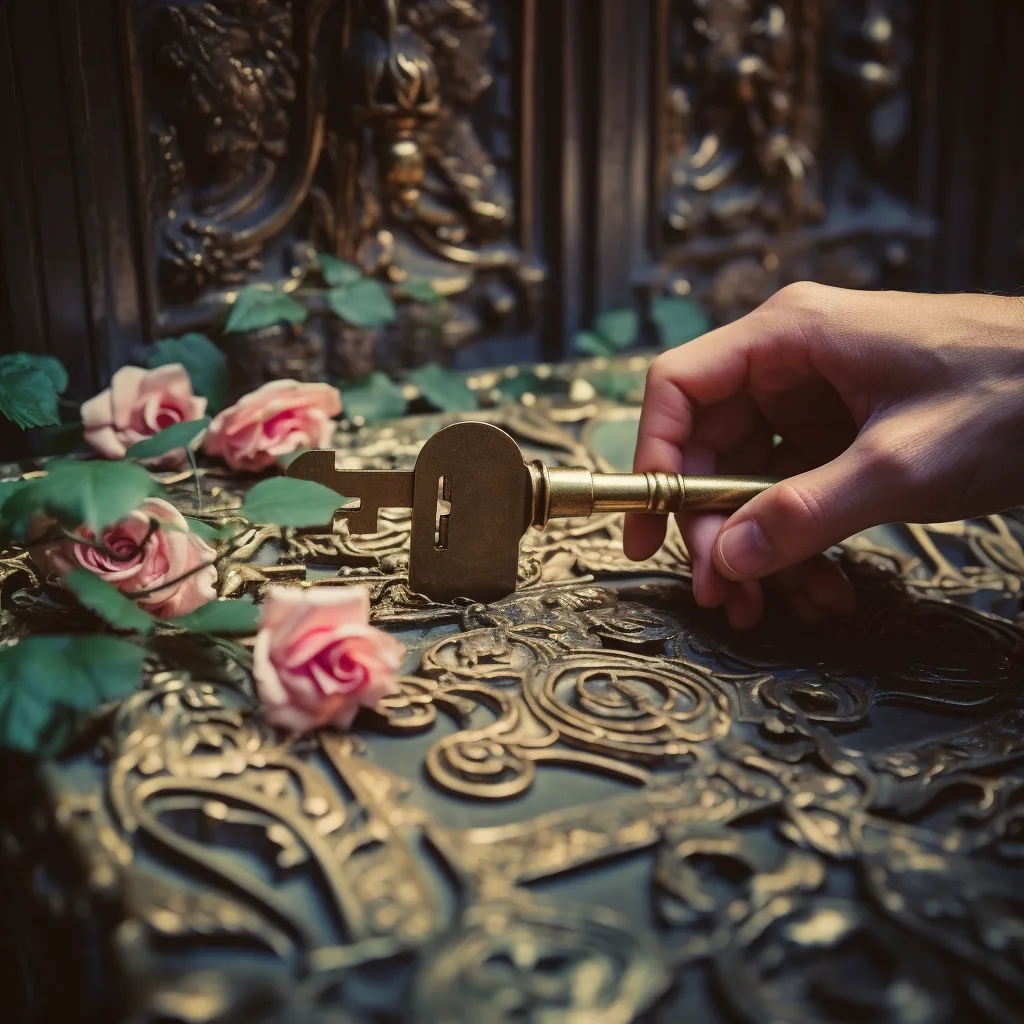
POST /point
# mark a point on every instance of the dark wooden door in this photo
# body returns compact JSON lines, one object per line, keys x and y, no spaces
{"x":538,"y":161}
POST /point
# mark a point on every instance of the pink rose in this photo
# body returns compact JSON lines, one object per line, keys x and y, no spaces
{"x":317,"y":659}
{"x":138,"y":404}
{"x":165,"y":556}
{"x":273,"y":420}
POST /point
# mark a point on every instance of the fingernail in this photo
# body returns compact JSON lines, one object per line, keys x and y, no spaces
{"x":744,"y":550}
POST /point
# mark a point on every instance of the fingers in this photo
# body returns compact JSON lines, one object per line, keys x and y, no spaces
{"x":807,"y":514}
{"x":743,"y":601}
{"x":710,"y":371}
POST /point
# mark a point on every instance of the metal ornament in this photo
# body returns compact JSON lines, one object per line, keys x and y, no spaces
{"x":473,"y":497}
{"x":591,"y":801}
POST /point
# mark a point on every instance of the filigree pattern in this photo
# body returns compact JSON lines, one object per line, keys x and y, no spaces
{"x":590,"y":801}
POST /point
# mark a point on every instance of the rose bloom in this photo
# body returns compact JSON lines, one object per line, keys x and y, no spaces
{"x":166,"y":555}
{"x":317,"y":659}
{"x":138,"y":404}
{"x":273,"y":420}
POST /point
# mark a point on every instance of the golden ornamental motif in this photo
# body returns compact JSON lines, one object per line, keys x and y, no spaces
{"x":589,"y":801}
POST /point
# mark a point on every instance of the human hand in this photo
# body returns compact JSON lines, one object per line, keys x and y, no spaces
{"x":891,"y":407}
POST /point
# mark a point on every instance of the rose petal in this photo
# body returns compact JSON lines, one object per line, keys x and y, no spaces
{"x":98,"y":411}
{"x":104,"y":442}
{"x":316,"y":652}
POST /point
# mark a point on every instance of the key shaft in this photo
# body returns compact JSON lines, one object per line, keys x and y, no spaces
{"x":559,"y":492}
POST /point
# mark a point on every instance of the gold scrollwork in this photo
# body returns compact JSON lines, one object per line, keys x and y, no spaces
{"x":818,"y":847}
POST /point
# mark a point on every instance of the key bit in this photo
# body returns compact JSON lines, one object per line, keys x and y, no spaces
{"x":473,"y":497}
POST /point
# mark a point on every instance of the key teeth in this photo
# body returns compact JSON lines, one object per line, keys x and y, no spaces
{"x":320,"y":466}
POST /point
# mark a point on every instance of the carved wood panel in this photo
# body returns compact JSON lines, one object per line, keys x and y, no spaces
{"x":539,"y":162}
{"x":392,"y":134}
{"x":781,"y":131}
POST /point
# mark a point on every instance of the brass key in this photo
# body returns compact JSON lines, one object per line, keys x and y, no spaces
{"x":473,"y":497}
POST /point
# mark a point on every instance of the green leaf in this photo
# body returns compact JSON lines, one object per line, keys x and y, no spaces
{"x":45,"y":681}
{"x":93,"y":493}
{"x":338,"y":272}
{"x":591,"y":344}
{"x":615,"y":441}
{"x":374,"y":399}
{"x":50,"y":365}
{"x":205,"y":363}
{"x":179,"y":435}
{"x":108,"y":602}
{"x":363,"y":304}
{"x":446,"y":390}
{"x":235,"y":615}
{"x":29,"y":386}
{"x":112,"y":667}
{"x":204,"y":531}
{"x":257,"y":307}
{"x":28,"y":395}
{"x":421,"y":290}
{"x":287,"y":502}
{"x":513,"y":388}
{"x":619,"y":387}
{"x":9,"y":487}
{"x":619,"y":327}
{"x":679,"y":320}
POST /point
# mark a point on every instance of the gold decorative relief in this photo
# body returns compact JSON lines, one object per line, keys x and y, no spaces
{"x":813,"y":848}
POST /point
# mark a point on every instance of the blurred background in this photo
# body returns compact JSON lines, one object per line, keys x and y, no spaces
{"x":509,"y":169}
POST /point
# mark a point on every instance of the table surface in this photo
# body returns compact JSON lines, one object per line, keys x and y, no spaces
{"x":591,"y":802}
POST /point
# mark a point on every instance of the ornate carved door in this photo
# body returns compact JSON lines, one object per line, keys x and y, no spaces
{"x":537,"y":161}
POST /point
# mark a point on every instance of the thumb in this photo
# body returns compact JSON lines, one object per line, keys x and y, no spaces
{"x":806,"y":514}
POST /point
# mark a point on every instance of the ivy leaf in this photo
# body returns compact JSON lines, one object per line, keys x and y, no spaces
{"x":205,"y":363}
{"x":445,"y":390}
{"x":512,"y":389}
{"x":204,"y":531}
{"x":46,"y":681}
{"x":374,"y":399}
{"x":50,"y":365}
{"x":592,"y":344}
{"x":257,"y":307}
{"x":421,"y":290}
{"x":8,"y":488}
{"x":108,"y":602}
{"x":287,"y":502}
{"x":619,"y":327}
{"x":29,"y":389}
{"x":93,"y":493}
{"x":363,"y":304}
{"x":619,"y":387}
{"x":235,"y":615}
{"x":679,"y":320}
{"x":615,"y":441}
{"x":179,"y":435}
{"x":338,"y":272}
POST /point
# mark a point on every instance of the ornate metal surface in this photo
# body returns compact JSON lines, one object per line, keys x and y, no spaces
{"x":591,"y":801}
